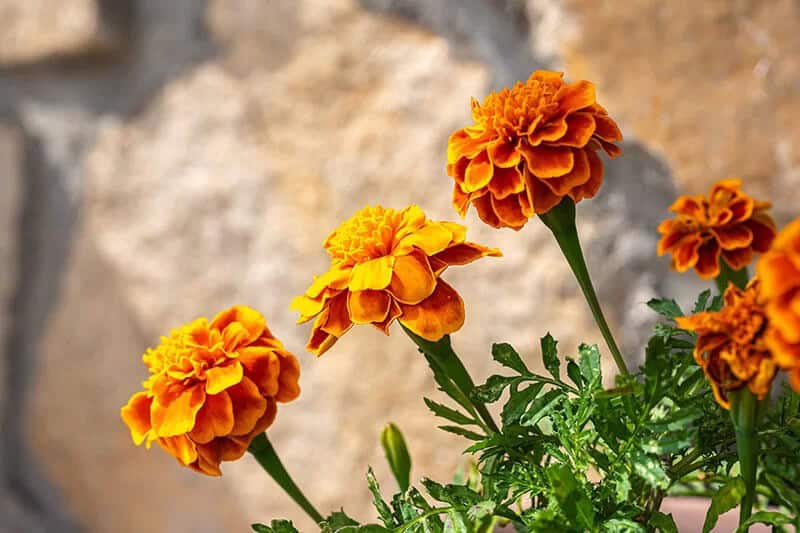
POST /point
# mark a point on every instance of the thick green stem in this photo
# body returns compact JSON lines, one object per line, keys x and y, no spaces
{"x":561,"y":221}
{"x":726,"y":273}
{"x":442,"y":353}
{"x":745,"y":414}
{"x":267,"y":457}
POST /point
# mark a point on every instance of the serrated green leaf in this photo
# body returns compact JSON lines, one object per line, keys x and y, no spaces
{"x":448,"y":414}
{"x":491,"y":391}
{"x":589,"y":363}
{"x":728,"y":497}
{"x":541,"y":407}
{"x":663,"y":522}
{"x":667,"y":308}
{"x":771,"y":518}
{"x":276,"y":526}
{"x":506,"y":355}
{"x":481,"y":510}
{"x":550,"y":356}
{"x":574,"y":373}
{"x":650,"y":470}
{"x":702,"y":300}
{"x":786,"y":493}
{"x":384,"y":511}
{"x":337,"y":520}
{"x":463,"y":432}
{"x":518,"y":403}
{"x":396,"y":451}
{"x":622,"y":525}
{"x":260,"y":528}
{"x":571,"y":496}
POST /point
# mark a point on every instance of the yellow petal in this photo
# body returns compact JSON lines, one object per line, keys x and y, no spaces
{"x":180,"y":447}
{"x":250,"y":320}
{"x":368,"y":306}
{"x":431,"y":239}
{"x":248,"y":406}
{"x":374,"y":274}
{"x":438,"y":315}
{"x":178,"y":415}
{"x":215,"y":419}
{"x":224,"y":376}
{"x":466,"y":252}
{"x":413,"y":280}
{"x":136,"y":414}
{"x":262,"y":366}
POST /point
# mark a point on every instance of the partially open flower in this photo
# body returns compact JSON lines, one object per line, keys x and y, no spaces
{"x":530,"y":146}
{"x":779,"y":271}
{"x":212,"y":388}
{"x":727,"y":224}
{"x":386,"y":265}
{"x":731,"y":346}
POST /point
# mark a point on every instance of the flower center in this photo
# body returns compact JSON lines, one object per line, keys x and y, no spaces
{"x":517,"y":111}
{"x":368,"y":234}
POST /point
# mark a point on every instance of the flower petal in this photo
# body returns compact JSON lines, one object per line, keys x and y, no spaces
{"x":394,"y":312}
{"x":178,"y":415}
{"x":707,"y":266}
{"x":221,"y":377}
{"x":509,"y":211}
{"x":215,"y":419}
{"x":466,"y":252}
{"x":368,"y":306}
{"x":506,"y":181}
{"x":431,"y":239}
{"x":575,"y":96}
{"x":438,"y":315}
{"x":251,"y":321}
{"x":261,"y":366}
{"x":288,"y":379}
{"x":580,"y":127}
{"x":503,"y":154}
{"x":412,"y":280}
{"x":543,"y":198}
{"x":548,"y":161}
{"x":479,"y":173}
{"x":733,"y":236}
{"x":248,"y":406}
{"x":483,"y":205}
{"x":180,"y":447}
{"x":739,"y":258}
{"x":374,"y":274}
{"x":336,"y":320}
{"x":607,"y":129}
{"x":136,"y":415}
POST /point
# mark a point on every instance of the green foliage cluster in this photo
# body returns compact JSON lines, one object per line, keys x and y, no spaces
{"x":572,"y":455}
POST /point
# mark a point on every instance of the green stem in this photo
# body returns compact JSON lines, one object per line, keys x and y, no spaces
{"x":441,"y":352}
{"x":726,"y":273}
{"x":561,"y":221}
{"x":745,"y":414}
{"x":267,"y":457}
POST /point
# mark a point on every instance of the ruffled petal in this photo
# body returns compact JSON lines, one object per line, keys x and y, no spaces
{"x":506,"y":181}
{"x":215,"y":419}
{"x":368,"y":306}
{"x":479,"y":173}
{"x":180,"y":447}
{"x":374,"y":274}
{"x":252,"y":323}
{"x":221,"y":377}
{"x":440,"y":314}
{"x":136,"y":415}
{"x":733,"y":236}
{"x":580,"y":127}
{"x":178,"y":415}
{"x":509,"y":211}
{"x":261,"y":366}
{"x":575,"y":96}
{"x":431,"y":239}
{"x":466,"y":252}
{"x":548,"y":161}
{"x":413,"y":279}
{"x":503,"y":154}
{"x":248,"y":406}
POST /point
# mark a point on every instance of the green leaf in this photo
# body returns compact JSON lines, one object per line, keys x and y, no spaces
{"x":491,"y":391}
{"x":702,"y":300}
{"x":384,"y":511}
{"x":664,"y":522}
{"x":448,"y":414}
{"x":723,"y":501}
{"x":571,"y":496}
{"x":506,"y":355}
{"x":589,"y":364}
{"x":394,"y":446}
{"x":765,"y":517}
{"x":574,"y":373}
{"x":622,"y":525}
{"x":338,"y":519}
{"x":455,"y":523}
{"x":481,"y":510}
{"x":665,"y":307}
{"x":541,"y":407}
{"x":517,"y":404}
{"x":276,"y":526}
{"x":463,"y":432}
{"x":650,"y":470}
{"x":785,"y":492}
{"x":550,"y":356}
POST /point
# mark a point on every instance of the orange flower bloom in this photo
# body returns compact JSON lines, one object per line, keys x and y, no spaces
{"x":530,"y":146}
{"x":729,"y":223}
{"x":779,"y":271}
{"x":386,"y":265}
{"x":212,"y":388}
{"x":731,"y":345}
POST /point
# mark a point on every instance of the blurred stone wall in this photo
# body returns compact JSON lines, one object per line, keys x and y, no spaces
{"x":163,"y":160}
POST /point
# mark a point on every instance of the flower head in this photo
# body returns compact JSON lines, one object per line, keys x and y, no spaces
{"x":530,"y":146}
{"x":728,"y":223}
{"x":386,"y":265}
{"x":779,"y":271}
{"x":731,"y":345}
{"x":212,"y":388}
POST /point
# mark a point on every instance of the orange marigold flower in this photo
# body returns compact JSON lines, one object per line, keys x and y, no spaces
{"x":728,"y":223}
{"x":212,"y":388}
{"x":386,"y":265}
{"x":731,"y":346}
{"x":530,"y":146}
{"x":779,"y":271}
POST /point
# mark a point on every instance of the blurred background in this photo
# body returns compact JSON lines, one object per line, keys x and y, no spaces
{"x":161,"y":160}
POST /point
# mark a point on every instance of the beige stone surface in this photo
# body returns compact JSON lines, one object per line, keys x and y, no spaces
{"x":712,"y":85}
{"x":38,"y":29}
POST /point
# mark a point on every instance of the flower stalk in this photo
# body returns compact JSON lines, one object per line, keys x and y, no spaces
{"x":561,"y":222}
{"x":267,"y":457}
{"x":441,"y":353}
{"x":727,"y":274}
{"x":746,"y":411}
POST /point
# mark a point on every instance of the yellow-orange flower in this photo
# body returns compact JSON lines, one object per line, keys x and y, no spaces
{"x":386,"y":265}
{"x":530,"y":146}
{"x":731,"y":346}
{"x":779,"y":271}
{"x":212,"y":388}
{"x":728,"y":223}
